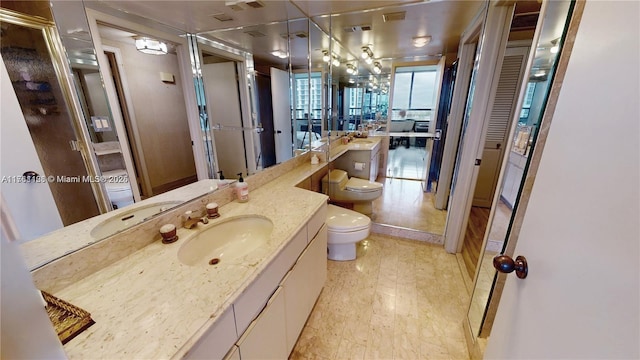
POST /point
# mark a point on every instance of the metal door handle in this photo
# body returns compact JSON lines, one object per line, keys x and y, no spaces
{"x":30,"y":175}
{"x":505,"y":264}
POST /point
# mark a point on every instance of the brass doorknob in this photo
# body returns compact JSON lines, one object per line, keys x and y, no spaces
{"x":505,"y":264}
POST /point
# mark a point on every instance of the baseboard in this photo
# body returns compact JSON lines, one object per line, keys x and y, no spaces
{"x":407,"y":233}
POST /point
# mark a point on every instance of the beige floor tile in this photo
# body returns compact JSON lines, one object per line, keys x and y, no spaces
{"x":399,"y":299}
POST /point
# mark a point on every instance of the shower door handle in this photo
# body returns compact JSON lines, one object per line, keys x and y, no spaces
{"x":505,"y":264}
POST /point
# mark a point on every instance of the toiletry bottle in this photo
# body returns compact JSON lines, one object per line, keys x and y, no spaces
{"x":242,"y":189}
{"x":314,"y":159}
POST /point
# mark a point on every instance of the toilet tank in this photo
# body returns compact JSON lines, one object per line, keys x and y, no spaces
{"x":335,"y":180}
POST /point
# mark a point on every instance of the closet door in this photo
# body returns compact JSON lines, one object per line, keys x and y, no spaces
{"x":502,"y":113}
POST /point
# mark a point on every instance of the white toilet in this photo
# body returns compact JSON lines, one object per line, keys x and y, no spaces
{"x":119,"y":192}
{"x":358,"y":191}
{"x":345,"y":228}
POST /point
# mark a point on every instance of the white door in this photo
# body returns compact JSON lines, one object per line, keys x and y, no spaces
{"x":581,"y":230}
{"x":280,"y":95}
{"x":31,"y":204}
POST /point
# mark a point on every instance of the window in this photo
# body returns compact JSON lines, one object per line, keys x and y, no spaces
{"x":528,"y":97}
{"x":414,"y":89}
{"x":308,"y":95}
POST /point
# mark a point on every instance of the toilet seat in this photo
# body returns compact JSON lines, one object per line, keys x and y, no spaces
{"x":341,"y":220}
{"x":361,"y":185}
{"x":118,"y":191}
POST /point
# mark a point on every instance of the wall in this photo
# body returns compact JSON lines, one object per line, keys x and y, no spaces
{"x":160,"y":113}
{"x":27,"y":332}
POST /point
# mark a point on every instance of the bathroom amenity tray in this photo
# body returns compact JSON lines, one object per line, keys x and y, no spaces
{"x":68,"y":320}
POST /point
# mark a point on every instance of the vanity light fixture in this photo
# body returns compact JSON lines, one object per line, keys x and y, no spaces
{"x":150,"y":46}
{"x":377,"y":67}
{"x":421,"y":41}
{"x":366,"y":53}
{"x":325,"y":56}
{"x":279,"y":53}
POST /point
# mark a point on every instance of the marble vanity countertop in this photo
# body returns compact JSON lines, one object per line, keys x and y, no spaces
{"x":61,"y":242}
{"x":149,"y":305}
{"x":337,"y":150}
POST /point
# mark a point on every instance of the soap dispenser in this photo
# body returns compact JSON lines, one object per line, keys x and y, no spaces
{"x":242,"y":189}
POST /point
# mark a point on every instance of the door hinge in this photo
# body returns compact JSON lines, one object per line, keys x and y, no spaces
{"x":75,"y":146}
{"x":478,"y":161}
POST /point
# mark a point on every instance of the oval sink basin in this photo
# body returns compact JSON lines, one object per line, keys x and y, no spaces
{"x":362,"y":141}
{"x":226,"y":240}
{"x":129,"y":218}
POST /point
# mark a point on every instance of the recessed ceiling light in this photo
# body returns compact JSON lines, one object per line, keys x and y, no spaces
{"x":421,"y":41}
{"x":279,"y":53}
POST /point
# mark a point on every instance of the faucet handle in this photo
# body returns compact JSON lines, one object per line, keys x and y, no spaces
{"x":169,"y":233}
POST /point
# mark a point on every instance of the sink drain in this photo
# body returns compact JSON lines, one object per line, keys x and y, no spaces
{"x":214,"y":261}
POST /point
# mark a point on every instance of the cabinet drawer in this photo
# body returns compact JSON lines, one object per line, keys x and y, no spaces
{"x":251,"y":302}
{"x":303,"y":284}
{"x":217,"y":341}
{"x":266,"y":336}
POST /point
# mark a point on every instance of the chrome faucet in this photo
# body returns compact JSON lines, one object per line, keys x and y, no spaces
{"x":190,"y":221}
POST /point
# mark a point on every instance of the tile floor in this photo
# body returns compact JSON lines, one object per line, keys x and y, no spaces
{"x":407,"y":163}
{"x":399,"y":299}
{"x":404,"y":204}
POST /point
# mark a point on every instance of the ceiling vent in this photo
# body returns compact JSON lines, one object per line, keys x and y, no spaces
{"x":256,"y":4}
{"x":254,"y":33}
{"x":396,"y":16}
{"x":525,"y":21}
{"x":357,"y":28}
{"x":299,"y":35}
{"x":222,"y":17}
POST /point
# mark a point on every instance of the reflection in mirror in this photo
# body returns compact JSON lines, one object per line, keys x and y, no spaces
{"x":306,"y":85}
{"x":522,"y":138}
{"x":273,"y":49}
{"x":131,"y":157}
{"x":45,"y":122}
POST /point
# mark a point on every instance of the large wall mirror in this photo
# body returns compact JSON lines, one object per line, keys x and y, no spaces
{"x":535,"y":88}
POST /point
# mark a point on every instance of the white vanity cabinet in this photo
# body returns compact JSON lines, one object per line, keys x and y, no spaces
{"x":265,"y":338}
{"x":303,"y":284}
{"x":266,"y":320}
{"x":217,"y":341}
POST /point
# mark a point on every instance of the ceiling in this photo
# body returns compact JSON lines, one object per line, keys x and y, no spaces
{"x":263,"y":30}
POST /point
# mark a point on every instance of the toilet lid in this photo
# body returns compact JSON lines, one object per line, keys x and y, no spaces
{"x":361,"y":185}
{"x":342,"y":220}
